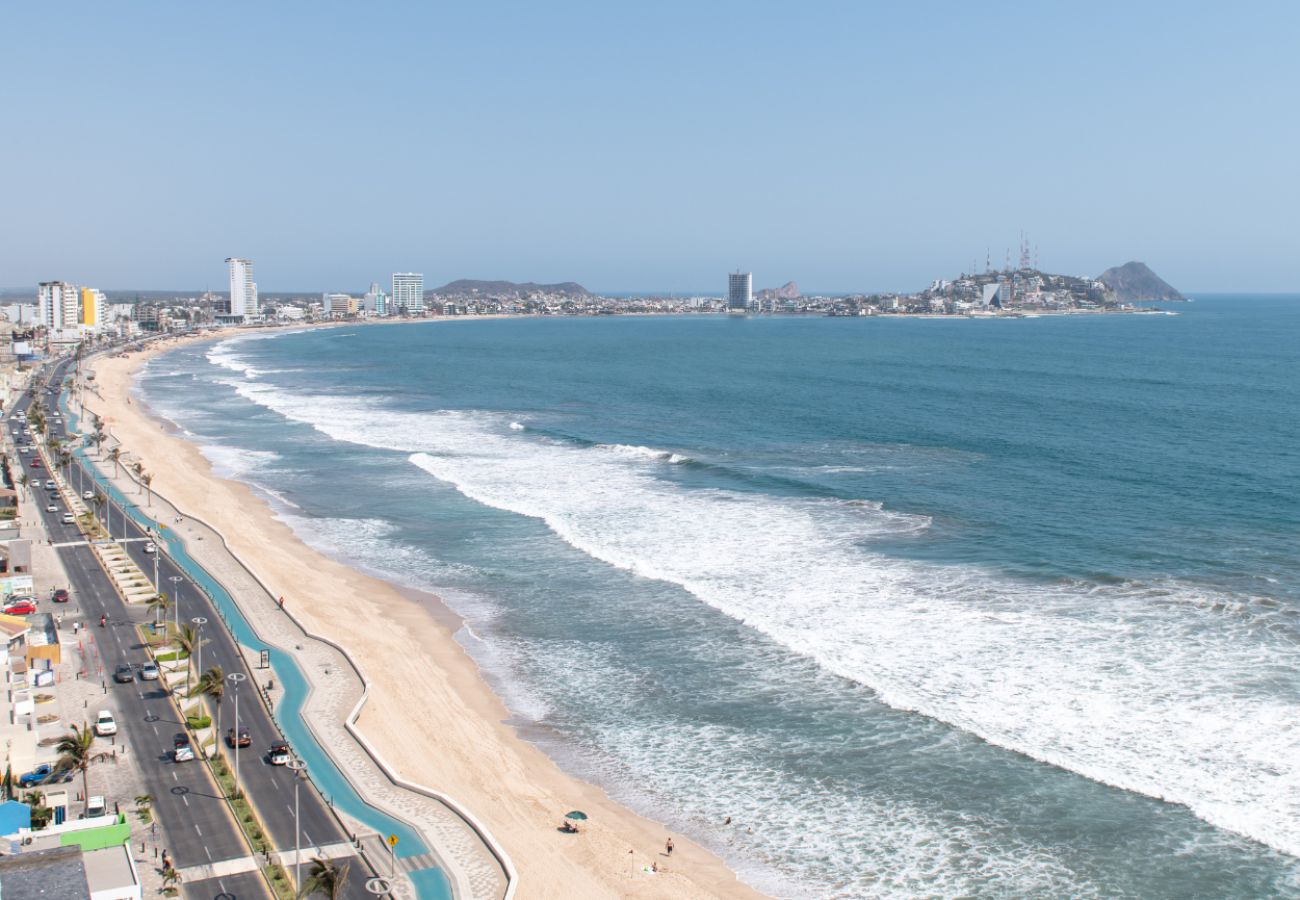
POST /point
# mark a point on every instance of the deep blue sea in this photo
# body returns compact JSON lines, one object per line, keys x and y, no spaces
{"x":927,"y":607}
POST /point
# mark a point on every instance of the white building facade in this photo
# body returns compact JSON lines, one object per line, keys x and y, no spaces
{"x":408,"y":292}
{"x":58,"y":305}
{"x":243,"y":290}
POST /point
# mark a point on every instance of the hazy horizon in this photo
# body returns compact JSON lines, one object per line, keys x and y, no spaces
{"x":842,"y":147}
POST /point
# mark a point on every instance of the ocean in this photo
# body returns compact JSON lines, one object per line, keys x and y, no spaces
{"x":928,"y":608}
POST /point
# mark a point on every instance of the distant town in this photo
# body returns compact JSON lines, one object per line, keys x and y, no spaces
{"x":61,"y":314}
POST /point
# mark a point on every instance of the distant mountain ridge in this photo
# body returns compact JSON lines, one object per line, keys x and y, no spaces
{"x":1135,"y":281}
{"x":466,"y":286}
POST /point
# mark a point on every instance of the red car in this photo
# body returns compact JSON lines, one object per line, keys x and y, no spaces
{"x":61,"y":595}
{"x":36,"y":463}
{"x":21,"y":608}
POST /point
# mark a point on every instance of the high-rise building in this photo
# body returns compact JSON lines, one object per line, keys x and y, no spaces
{"x":375,"y":302}
{"x":408,"y":292}
{"x":94,"y":308}
{"x":740,"y":291}
{"x":243,"y":290}
{"x":57,"y":305}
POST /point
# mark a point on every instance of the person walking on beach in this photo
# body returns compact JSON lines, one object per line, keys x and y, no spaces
{"x":669,"y":846}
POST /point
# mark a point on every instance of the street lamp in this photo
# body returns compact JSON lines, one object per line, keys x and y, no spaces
{"x":296,"y":765}
{"x":235,"y":678}
{"x":379,"y":886}
{"x":199,"y":622}
{"x":176,"y":590}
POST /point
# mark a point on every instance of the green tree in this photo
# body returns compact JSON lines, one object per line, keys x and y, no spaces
{"x":187,"y":639}
{"x":158,"y":605}
{"x":116,"y":456}
{"x":74,"y":750}
{"x":146,"y":479}
{"x":212,"y":683}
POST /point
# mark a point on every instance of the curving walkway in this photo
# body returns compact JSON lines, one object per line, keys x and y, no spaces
{"x":432,"y":827}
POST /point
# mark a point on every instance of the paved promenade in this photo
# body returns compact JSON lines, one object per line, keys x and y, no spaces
{"x":336,"y":692}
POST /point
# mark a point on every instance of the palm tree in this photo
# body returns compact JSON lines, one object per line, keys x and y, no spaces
{"x":160,"y":603}
{"x":138,"y":468}
{"x":212,"y":683}
{"x":97,"y":439}
{"x":24,"y":479}
{"x":325,"y":878}
{"x":74,"y":754}
{"x":146,"y":479}
{"x":116,"y":456}
{"x":188,"y":642}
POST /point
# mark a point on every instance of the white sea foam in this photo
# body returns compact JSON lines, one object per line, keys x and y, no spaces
{"x":517,"y":426}
{"x":1162,"y":689}
{"x":236,"y":462}
{"x":639,"y":452}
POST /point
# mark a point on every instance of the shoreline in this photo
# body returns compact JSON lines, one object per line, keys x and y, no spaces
{"x":453,"y":732}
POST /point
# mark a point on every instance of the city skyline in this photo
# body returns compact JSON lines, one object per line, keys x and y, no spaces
{"x":850,"y":149}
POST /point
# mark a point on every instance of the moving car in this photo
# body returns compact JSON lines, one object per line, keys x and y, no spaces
{"x":61,"y":596}
{"x":50,"y":485}
{"x":149,"y":547}
{"x":36,"y":463}
{"x":105,"y":724}
{"x":124,"y":674}
{"x":279,"y":754}
{"x":19,"y":608}
{"x":88,"y":495}
{"x":182,"y":749}
{"x":240,"y":738}
{"x":53,"y":507}
{"x":149,"y":672}
{"x":69,"y":518}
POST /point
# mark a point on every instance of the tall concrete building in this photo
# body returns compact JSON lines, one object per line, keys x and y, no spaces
{"x":57,"y":305}
{"x":94,"y":308}
{"x":740,"y":291}
{"x":243,"y":290}
{"x":408,"y":292}
{"x":375,"y":302}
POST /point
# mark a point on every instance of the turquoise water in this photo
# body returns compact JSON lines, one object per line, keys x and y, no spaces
{"x":334,"y":787}
{"x":926,"y":607}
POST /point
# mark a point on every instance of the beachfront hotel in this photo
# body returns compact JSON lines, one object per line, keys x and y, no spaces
{"x":243,"y":290}
{"x":740,"y":291}
{"x":57,"y":304}
{"x":408,"y":292}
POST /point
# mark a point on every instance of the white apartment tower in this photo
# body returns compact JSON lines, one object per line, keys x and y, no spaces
{"x":57,"y":305}
{"x":740,"y":291}
{"x":408,"y":292}
{"x":243,"y":290}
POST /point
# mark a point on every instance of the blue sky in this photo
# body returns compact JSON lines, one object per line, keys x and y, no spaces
{"x":652,"y":146}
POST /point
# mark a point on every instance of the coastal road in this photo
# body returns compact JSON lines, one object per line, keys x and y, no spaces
{"x":191,"y":812}
{"x":271,"y":788}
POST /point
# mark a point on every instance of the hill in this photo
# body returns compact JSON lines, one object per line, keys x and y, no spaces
{"x":1135,"y":281}
{"x":470,"y":286}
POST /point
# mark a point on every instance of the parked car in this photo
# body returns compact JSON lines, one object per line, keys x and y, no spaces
{"x":105,"y":724}
{"x":61,"y":596}
{"x":96,"y":806}
{"x":149,"y":672}
{"x":182,"y":749}
{"x":19,"y":608}
{"x":239,"y":737}
{"x":37,"y":775}
{"x":124,"y":674}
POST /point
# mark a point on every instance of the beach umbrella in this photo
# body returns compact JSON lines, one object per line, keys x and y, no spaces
{"x":577,"y":816}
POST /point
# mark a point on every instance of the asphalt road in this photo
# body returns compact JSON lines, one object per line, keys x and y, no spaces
{"x":193,"y":803}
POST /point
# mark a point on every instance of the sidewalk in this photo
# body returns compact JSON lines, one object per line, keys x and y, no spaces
{"x":336,"y":695}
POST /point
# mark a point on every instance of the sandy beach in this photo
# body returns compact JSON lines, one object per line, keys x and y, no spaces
{"x":431,"y":714}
